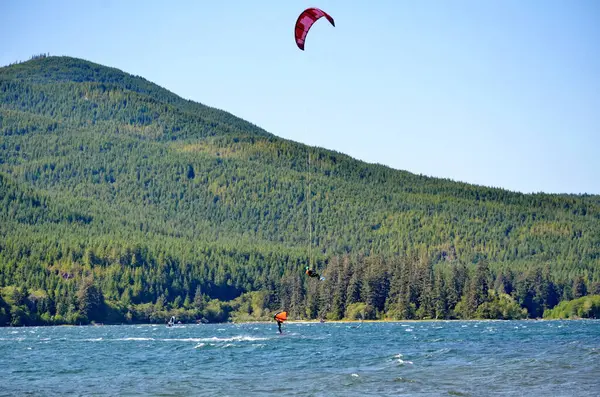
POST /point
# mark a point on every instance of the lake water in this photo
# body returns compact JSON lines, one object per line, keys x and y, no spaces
{"x":508,"y":358}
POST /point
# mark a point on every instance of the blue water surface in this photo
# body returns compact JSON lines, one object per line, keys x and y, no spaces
{"x":437,"y":358}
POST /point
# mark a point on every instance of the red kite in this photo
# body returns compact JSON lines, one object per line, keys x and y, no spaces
{"x":305,"y":21}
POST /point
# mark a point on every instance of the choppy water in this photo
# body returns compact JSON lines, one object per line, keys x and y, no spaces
{"x":529,"y":358}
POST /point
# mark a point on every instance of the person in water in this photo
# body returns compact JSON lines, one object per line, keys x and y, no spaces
{"x":279,"y":326}
{"x":311,"y":272}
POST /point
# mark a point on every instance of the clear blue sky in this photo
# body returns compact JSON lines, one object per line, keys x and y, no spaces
{"x":501,"y":93}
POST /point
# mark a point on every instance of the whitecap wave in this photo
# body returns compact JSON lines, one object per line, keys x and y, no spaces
{"x":213,"y":340}
{"x":239,"y":338}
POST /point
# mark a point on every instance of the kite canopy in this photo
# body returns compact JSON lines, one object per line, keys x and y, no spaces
{"x":306,"y":19}
{"x":281,"y":316}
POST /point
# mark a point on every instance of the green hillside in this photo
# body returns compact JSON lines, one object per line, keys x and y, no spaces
{"x":121,"y":201}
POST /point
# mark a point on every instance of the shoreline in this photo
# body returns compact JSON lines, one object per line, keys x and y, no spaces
{"x":304,"y":322}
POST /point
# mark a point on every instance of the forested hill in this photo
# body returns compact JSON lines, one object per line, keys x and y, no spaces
{"x":122,"y":201}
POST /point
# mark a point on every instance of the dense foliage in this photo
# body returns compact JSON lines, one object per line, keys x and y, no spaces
{"x":584,"y":307}
{"x":121,"y":201}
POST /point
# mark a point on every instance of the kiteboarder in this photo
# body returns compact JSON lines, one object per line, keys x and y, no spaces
{"x":313,"y":273}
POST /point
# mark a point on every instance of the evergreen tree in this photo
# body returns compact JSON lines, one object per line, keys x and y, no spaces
{"x":90,"y":300}
{"x":579,"y":288}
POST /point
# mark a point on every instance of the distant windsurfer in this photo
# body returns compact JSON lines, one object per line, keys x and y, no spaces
{"x":279,"y":326}
{"x":171,"y":322}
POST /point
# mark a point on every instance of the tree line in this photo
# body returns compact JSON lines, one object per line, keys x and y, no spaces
{"x":141,"y":288}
